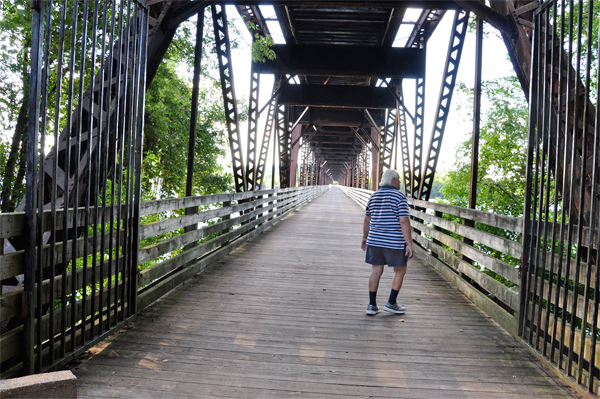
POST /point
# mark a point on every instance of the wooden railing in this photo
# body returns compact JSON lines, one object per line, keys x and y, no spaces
{"x":168,"y":256}
{"x":486,"y":271}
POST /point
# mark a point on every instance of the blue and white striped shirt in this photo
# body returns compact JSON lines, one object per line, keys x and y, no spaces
{"x":386,"y":206}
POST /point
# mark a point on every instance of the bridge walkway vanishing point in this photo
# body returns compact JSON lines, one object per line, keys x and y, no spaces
{"x":284,"y":316}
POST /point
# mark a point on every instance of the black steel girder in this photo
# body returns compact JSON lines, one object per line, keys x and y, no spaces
{"x":229,"y":98}
{"x":338,"y":117}
{"x":332,"y":60}
{"x":312,"y":95}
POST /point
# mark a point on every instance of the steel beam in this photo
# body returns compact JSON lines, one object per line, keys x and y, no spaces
{"x":338,"y":117}
{"x":252,"y":127}
{"x":335,"y":96}
{"x":418,"y":137}
{"x":331,"y":60}
{"x":374,"y":160}
{"x":294,"y":148}
{"x":476,"y":114}
{"x":457,"y":40}
{"x":266,"y":139}
{"x":388,"y":139}
{"x":515,"y":38}
{"x":229,"y":99}
{"x":284,"y":134}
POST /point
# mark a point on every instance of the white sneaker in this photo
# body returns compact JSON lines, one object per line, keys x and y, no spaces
{"x":395,"y":308}
{"x":372,"y":310}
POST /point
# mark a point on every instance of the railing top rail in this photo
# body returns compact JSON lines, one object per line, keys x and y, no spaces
{"x":502,"y":221}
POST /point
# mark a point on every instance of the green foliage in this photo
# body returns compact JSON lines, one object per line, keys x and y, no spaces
{"x":167,"y":122}
{"x":166,"y":135}
{"x":567,"y":16}
{"x":261,"y":48}
{"x":261,"y":45}
{"x":436,"y":187}
{"x":502,"y":157}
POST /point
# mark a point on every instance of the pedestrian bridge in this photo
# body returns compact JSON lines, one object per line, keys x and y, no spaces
{"x":262,"y":293}
{"x":283,"y":315}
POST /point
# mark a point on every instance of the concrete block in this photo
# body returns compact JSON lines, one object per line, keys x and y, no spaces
{"x":58,"y":384}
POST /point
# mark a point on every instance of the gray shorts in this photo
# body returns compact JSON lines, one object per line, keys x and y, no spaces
{"x":386,"y":256}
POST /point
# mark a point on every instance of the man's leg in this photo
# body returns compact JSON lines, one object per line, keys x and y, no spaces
{"x":376,"y":272}
{"x":399,"y":273}
{"x":392,"y":306}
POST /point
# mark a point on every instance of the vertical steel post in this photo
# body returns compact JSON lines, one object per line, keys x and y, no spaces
{"x":294,"y":154}
{"x":418,"y":136}
{"x":31,"y":184}
{"x":189,"y":186}
{"x":251,"y":174}
{"x":374,"y":160}
{"x":403,"y":133}
{"x":525,"y":260}
{"x":476,"y":114}
{"x":476,"y":123}
{"x":282,"y":118}
{"x":141,"y":104}
{"x":194,"y":109}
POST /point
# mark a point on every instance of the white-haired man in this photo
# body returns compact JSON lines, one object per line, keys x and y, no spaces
{"x":387,"y":239}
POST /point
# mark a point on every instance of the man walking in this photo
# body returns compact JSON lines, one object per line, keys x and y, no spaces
{"x":387,"y":239}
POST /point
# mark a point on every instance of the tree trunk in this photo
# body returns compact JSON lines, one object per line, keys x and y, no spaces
{"x":9,"y":182}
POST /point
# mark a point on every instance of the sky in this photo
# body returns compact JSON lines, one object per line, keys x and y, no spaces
{"x":495,"y":65}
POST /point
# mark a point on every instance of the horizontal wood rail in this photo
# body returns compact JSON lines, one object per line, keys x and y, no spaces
{"x":174,"y":246}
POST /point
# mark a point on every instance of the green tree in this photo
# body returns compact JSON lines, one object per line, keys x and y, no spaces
{"x":502,"y":157}
{"x":15,"y":43}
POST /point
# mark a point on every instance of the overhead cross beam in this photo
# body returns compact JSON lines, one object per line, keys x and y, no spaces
{"x":311,"y":95}
{"x":337,"y":117}
{"x":331,"y":60}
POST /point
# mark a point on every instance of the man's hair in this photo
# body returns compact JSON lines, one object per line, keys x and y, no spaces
{"x":388,"y":176}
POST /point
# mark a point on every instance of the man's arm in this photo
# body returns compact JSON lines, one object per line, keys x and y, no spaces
{"x":407,"y":233}
{"x":366,"y":227}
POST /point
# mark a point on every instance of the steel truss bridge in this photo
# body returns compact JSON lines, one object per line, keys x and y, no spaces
{"x":336,"y":113}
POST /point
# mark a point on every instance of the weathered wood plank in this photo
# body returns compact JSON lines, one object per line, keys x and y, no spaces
{"x":164,"y":247}
{"x":484,"y":303}
{"x":501,"y":221}
{"x":502,"y":292}
{"x":501,"y":244}
{"x":168,"y":225}
{"x":496,"y":265}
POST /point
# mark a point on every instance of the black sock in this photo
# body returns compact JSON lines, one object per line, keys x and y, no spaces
{"x":373,"y":298}
{"x":393,"y":296}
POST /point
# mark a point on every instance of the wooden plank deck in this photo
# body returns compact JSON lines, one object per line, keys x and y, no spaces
{"x":284,"y":316}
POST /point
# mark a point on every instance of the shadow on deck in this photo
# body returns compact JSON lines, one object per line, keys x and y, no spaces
{"x":284,"y":315}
